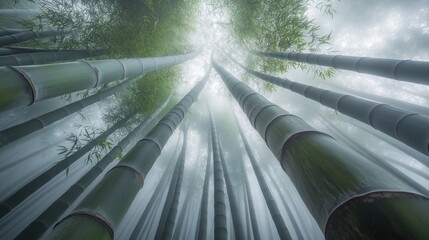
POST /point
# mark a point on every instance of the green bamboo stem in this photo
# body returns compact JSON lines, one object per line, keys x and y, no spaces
{"x":26,"y":128}
{"x":105,"y":206}
{"x":27,"y":35}
{"x":239,"y":229}
{"x":22,"y":59}
{"x":281,"y":227}
{"x":203,"y":216}
{"x":25,"y":85}
{"x":220,"y":218}
{"x":400,"y":70}
{"x":168,"y":226}
{"x":15,"y":199}
{"x":39,"y":226}
{"x":154,"y":201}
{"x":10,"y":31}
{"x":408,"y":127}
{"x":346,"y":193}
{"x":169,"y":212}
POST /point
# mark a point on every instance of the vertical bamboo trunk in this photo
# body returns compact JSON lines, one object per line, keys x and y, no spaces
{"x":27,"y":35}
{"x":26,"y":128}
{"x":281,"y":227}
{"x":169,"y":213}
{"x":22,"y":59}
{"x":401,"y":70}
{"x":220,"y":219}
{"x":349,"y":196}
{"x":203,"y":216}
{"x":15,"y":199}
{"x":39,"y":226}
{"x":407,"y":127}
{"x":239,"y":229}
{"x":153,"y":203}
{"x":100,"y":213}
{"x":25,"y":85}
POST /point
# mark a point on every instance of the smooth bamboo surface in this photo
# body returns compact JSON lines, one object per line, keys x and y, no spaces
{"x":401,"y":70}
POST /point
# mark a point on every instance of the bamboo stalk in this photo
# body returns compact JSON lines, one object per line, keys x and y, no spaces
{"x":21,"y":130}
{"x":105,"y":206}
{"x":239,"y":229}
{"x":39,"y":226}
{"x":22,"y":59}
{"x":25,"y":85}
{"x":203,"y":216}
{"x":346,"y":193}
{"x":27,"y":35}
{"x":408,"y":127}
{"x":9,"y":31}
{"x":168,"y":226}
{"x":401,"y":70}
{"x":272,"y":205}
{"x":15,"y":199}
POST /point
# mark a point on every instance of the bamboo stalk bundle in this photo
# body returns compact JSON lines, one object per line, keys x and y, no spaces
{"x":166,"y":225}
{"x":15,"y":199}
{"x":408,"y":127}
{"x":349,"y":196}
{"x":203,"y":213}
{"x":400,"y":70}
{"x":239,"y":229}
{"x":25,"y":85}
{"x":99,"y":214}
{"x":220,"y":218}
{"x":281,"y":227}
{"x":39,"y":226}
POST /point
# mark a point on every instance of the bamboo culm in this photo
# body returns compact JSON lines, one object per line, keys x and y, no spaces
{"x":27,"y":35}
{"x":39,"y":226}
{"x":22,"y":59}
{"x":220,"y":218}
{"x":281,"y":227}
{"x":99,"y":214}
{"x":203,"y":213}
{"x":26,"y":128}
{"x":346,"y":194}
{"x":237,"y":221}
{"x":169,"y":213}
{"x":401,"y":70}
{"x":408,"y":127}
{"x":15,"y":199}
{"x":25,"y":85}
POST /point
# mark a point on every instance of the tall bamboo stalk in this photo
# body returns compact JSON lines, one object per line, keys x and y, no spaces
{"x":36,"y":228}
{"x":281,"y":227}
{"x":169,"y":212}
{"x":25,"y":85}
{"x":100,"y":213}
{"x":15,"y":199}
{"x":22,"y":59}
{"x":23,"y":129}
{"x":220,"y":219}
{"x":9,"y":31}
{"x":27,"y":35}
{"x":349,"y":196}
{"x":239,"y":229}
{"x":203,"y":216}
{"x":408,"y":127}
{"x":401,"y":70}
